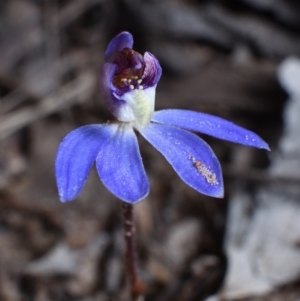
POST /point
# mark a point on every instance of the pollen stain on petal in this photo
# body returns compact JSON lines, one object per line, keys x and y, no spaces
{"x":204,"y":171}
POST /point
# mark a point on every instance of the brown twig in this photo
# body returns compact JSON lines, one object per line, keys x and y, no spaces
{"x":258,"y":175}
{"x":74,"y":92}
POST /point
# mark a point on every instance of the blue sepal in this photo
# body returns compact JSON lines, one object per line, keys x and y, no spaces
{"x":75,"y":157}
{"x":209,"y":125}
{"x":189,"y":155}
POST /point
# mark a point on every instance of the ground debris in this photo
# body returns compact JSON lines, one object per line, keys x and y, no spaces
{"x":219,"y":57}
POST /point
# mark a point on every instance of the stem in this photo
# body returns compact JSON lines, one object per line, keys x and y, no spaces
{"x":136,"y":285}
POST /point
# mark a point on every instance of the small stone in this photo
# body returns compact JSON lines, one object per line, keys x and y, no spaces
{"x":182,"y":242}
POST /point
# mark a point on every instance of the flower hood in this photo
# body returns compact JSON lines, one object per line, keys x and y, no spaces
{"x":128,"y":81}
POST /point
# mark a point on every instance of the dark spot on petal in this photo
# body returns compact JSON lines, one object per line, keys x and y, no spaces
{"x":204,"y":171}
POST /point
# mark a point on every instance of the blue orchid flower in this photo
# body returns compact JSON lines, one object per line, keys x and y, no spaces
{"x":128,"y":82}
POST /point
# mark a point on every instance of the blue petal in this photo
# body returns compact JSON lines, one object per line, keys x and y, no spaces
{"x":119,"y":165}
{"x":210,"y":125}
{"x":152,"y":72}
{"x":121,"y":41}
{"x":107,"y":88}
{"x":75,"y":157}
{"x":190,"y":156}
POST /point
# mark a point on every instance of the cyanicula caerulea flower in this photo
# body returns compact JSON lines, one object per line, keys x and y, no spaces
{"x":128,"y":81}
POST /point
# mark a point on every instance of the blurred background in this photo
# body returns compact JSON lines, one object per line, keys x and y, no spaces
{"x":220,"y":57}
